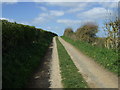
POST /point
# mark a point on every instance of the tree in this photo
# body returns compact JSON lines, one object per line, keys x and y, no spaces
{"x":87,"y":32}
{"x":112,"y":29}
{"x":68,"y":32}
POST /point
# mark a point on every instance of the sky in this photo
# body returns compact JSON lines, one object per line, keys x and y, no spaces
{"x":56,"y":16}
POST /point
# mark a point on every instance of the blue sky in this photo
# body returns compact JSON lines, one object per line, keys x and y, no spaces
{"x":56,"y":16}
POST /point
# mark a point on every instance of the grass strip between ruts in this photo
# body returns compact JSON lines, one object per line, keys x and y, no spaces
{"x":71,"y":78}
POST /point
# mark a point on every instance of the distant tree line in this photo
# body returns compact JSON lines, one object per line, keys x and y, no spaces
{"x":87,"y":32}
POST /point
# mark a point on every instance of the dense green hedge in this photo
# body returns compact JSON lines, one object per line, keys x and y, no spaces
{"x":23,"y":48}
{"x":107,"y":58}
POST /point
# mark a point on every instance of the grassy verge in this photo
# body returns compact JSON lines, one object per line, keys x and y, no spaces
{"x":107,"y":58}
{"x":71,"y":78}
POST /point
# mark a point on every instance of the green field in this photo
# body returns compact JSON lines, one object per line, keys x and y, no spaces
{"x":71,"y":78}
{"x":105,"y":57}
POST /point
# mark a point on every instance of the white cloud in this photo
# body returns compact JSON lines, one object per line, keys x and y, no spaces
{"x":59,"y":0}
{"x":68,"y":21}
{"x":50,"y":14}
{"x":75,"y":0}
{"x":43,"y":8}
{"x":10,"y":20}
{"x":41,"y":18}
{"x":44,"y":17}
{"x":3,"y":18}
{"x":73,"y":10}
{"x":71,"y":7}
{"x":109,"y":4}
{"x":9,"y":1}
{"x":56,"y":13}
{"x":49,"y":28}
{"x":63,"y":4}
{"x":24,"y":23}
{"x":94,"y":14}
{"x":77,"y":7}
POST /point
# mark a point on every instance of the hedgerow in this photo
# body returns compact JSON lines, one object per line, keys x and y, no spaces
{"x":23,"y":48}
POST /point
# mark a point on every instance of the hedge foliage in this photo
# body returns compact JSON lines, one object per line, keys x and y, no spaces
{"x":23,"y":48}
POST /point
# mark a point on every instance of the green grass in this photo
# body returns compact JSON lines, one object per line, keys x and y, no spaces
{"x":71,"y":78}
{"x":107,"y":58}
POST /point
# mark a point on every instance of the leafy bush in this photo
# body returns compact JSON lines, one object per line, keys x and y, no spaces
{"x":68,"y":32}
{"x":87,"y":32}
{"x":23,"y":48}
